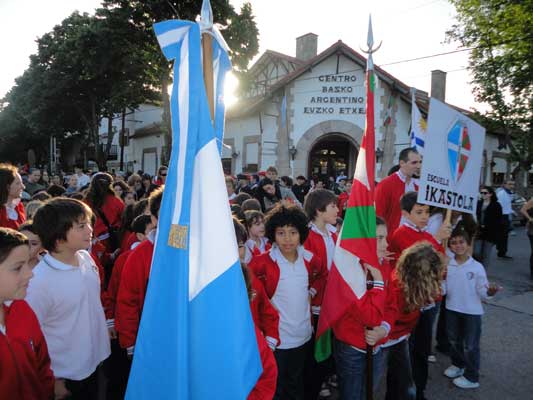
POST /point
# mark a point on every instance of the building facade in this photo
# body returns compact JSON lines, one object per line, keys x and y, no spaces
{"x":306,"y":116}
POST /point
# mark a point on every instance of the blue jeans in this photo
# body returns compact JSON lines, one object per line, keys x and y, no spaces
{"x":400,"y":384}
{"x":351,"y":371}
{"x":464,"y":334}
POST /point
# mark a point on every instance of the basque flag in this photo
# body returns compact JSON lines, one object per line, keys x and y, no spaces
{"x":196,"y":338}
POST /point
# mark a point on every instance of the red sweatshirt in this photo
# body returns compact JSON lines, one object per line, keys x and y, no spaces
{"x":5,"y":222}
{"x":114,"y":284}
{"x":265,"y":387}
{"x":406,"y":236}
{"x":387,"y":196}
{"x":113,"y":208}
{"x":316,"y":244}
{"x":265,"y":316}
{"x":402,"y":322}
{"x":369,"y":311}
{"x":25,"y":372}
{"x":267,"y":270}
{"x":127,"y":241}
{"x":131,"y":292}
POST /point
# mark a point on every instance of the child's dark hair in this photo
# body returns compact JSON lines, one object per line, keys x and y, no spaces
{"x":253,"y":216}
{"x":140,"y":223}
{"x":8,"y":173}
{"x":99,"y":189}
{"x":10,"y":239}
{"x":250,"y":204}
{"x":408,"y":201}
{"x":460,"y":231}
{"x":154,"y":201}
{"x":41,"y":196}
{"x":241,"y":198}
{"x":380,"y":221}
{"x":318,"y":200}
{"x":281,"y":216}
{"x":27,"y":226}
{"x":54,"y":219}
{"x":56,"y":190}
{"x":240,"y":231}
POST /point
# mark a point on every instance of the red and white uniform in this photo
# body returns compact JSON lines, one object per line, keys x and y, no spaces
{"x":370,"y":311}
{"x":25,"y":372}
{"x":113,"y":208}
{"x":12,"y":217}
{"x":407,"y":235}
{"x":128,"y":240}
{"x":288,"y":286}
{"x":321,"y":244}
{"x":265,"y":387}
{"x":265,"y":316}
{"x":387,"y":196}
{"x":254,"y":250}
{"x":132,"y":291}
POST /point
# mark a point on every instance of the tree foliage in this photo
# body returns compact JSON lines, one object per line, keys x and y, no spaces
{"x":95,"y":66}
{"x":500,"y":34}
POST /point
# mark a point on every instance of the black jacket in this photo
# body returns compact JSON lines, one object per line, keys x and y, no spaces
{"x":491,"y":225}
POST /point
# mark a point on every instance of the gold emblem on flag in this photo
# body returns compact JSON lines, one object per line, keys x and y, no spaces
{"x":177,"y":236}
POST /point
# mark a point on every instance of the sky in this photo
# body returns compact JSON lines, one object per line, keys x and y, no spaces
{"x":407,"y":28}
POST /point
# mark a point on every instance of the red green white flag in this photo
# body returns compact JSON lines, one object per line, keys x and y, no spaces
{"x":357,"y":240}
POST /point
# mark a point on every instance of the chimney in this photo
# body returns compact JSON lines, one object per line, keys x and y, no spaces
{"x":438,"y":84}
{"x":306,"y":46}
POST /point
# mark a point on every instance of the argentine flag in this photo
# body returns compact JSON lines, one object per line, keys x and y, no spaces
{"x":418,"y":126}
{"x":196,"y":338}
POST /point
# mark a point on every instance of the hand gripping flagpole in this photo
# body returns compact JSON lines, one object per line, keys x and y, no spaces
{"x":370,"y":349}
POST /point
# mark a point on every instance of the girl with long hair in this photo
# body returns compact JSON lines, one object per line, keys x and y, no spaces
{"x":12,"y":213}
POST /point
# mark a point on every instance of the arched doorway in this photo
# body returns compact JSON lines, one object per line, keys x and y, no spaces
{"x":332,"y":155}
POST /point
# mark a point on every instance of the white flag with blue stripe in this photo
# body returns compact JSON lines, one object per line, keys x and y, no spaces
{"x":196,"y":338}
{"x":418,"y":126}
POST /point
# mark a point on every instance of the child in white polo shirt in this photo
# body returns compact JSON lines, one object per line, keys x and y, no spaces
{"x":65,"y":295}
{"x":292,"y":277}
{"x":466,"y":286}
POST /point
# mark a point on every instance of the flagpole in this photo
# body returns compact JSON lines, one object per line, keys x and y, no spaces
{"x":370,"y":67}
{"x":206,"y":25}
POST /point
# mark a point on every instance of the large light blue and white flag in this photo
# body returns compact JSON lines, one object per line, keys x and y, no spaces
{"x":196,"y":338}
{"x":418,"y":126}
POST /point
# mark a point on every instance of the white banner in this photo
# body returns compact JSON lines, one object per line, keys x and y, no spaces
{"x":452,"y":162}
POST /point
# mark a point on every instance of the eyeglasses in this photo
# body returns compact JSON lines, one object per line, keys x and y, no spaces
{"x":484,"y":192}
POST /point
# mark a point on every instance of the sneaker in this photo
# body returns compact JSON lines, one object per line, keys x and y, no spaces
{"x":333,"y":381}
{"x":432,"y":358}
{"x":464,"y":383}
{"x":324,"y":392}
{"x":453,"y":372}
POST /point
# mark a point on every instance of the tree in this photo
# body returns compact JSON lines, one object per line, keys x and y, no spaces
{"x":500,"y":34}
{"x":240,"y":34}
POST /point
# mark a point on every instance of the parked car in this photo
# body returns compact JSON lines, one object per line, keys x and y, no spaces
{"x":517,"y":203}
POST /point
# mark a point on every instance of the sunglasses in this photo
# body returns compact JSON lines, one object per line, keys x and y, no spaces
{"x":484,"y":192}
{"x":163,"y":174}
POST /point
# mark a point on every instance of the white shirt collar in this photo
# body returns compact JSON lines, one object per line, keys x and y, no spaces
{"x":330,"y":228}
{"x":56,"y":264}
{"x":408,"y":223}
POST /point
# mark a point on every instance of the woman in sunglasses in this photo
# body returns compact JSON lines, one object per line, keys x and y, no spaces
{"x":489,"y":217}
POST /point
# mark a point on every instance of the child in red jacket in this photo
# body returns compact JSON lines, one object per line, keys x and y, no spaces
{"x":265,"y":316}
{"x":414,"y":283}
{"x":351,"y":337}
{"x":25,"y":364}
{"x":321,"y":208}
{"x":413,"y":230}
{"x":293,"y":278}
{"x":134,"y":281}
{"x":257,"y":243}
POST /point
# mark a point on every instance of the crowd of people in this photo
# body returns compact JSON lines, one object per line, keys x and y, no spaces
{"x":76,"y":251}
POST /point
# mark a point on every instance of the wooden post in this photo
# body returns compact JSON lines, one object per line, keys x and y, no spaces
{"x":207,"y":54}
{"x":447,"y":220}
{"x":369,"y":372}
